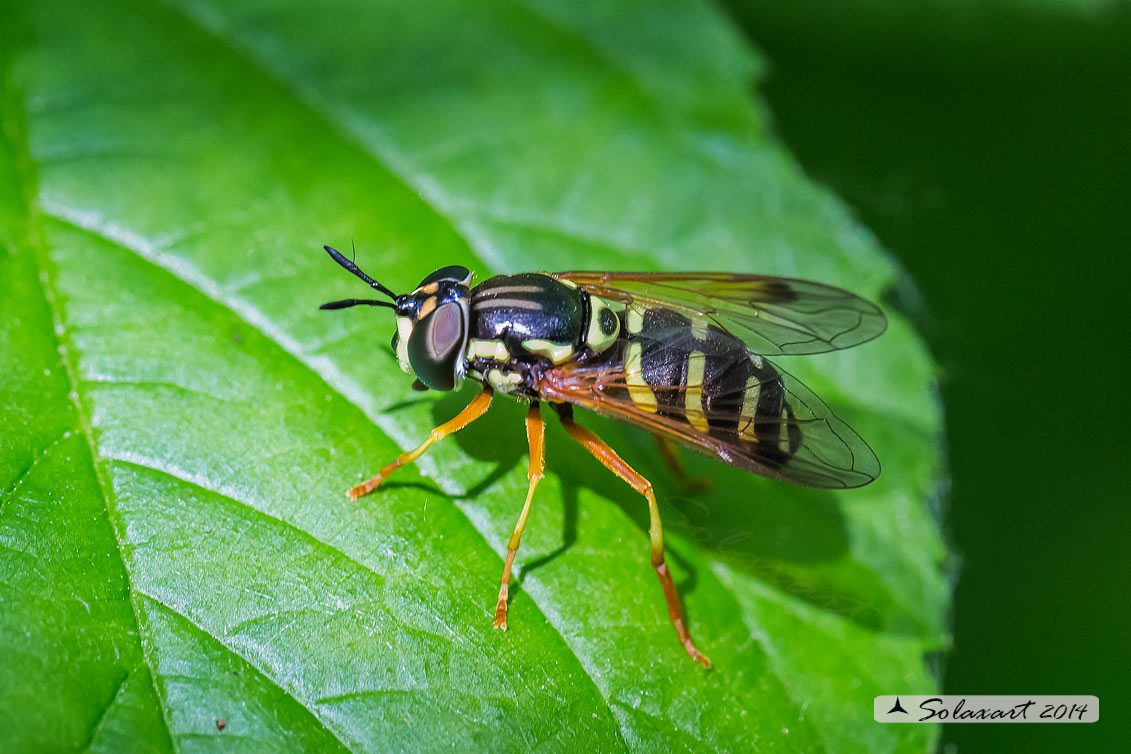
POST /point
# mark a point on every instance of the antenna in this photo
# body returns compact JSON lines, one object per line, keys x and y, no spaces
{"x":348,"y":302}
{"x":337,"y":257}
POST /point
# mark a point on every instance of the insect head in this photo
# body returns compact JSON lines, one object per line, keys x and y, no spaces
{"x":432,"y":322}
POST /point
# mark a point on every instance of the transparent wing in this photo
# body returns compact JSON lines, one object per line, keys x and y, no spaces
{"x":800,"y":440}
{"x":771,"y":315}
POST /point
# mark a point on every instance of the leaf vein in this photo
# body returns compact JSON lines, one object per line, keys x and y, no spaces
{"x":195,"y":481}
{"x":11,"y":491}
{"x":378,"y":148}
{"x":105,"y":711}
{"x":230,"y":650}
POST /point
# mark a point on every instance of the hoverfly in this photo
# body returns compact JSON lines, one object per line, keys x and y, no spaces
{"x":681,"y":355}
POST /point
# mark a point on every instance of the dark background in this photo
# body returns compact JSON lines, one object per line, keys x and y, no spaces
{"x":990,"y":150}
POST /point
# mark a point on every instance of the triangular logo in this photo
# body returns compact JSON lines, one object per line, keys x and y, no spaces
{"x":898,"y":708}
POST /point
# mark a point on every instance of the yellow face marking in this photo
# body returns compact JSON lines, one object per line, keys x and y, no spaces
{"x":634,"y":320}
{"x":638,"y":390}
{"x":428,"y":289}
{"x":404,"y":330}
{"x":750,"y":408}
{"x":487,"y":349}
{"x":427,"y":307}
{"x":693,"y":395}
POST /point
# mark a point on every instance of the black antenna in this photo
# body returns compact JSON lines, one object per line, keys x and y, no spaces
{"x":337,"y":256}
{"x":347,"y":303}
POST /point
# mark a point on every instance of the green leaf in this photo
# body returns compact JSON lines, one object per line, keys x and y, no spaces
{"x":179,"y":423}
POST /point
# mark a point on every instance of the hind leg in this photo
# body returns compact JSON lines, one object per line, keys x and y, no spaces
{"x":613,"y":462}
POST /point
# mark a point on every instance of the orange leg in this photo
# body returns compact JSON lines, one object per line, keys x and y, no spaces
{"x":478,"y":406}
{"x":671,"y":458}
{"x":608,"y":457}
{"x":535,"y":434}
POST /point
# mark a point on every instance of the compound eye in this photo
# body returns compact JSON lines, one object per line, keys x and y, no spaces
{"x":454,"y":273}
{"x":437,"y":344}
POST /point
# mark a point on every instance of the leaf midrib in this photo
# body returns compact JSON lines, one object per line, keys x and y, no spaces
{"x":13,"y":131}
{"x":46,"y":286}
{"x":34,"y":241}
{"x":105,"y":487}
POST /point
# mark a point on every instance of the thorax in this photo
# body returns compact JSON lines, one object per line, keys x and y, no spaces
{"x":521,"y":325}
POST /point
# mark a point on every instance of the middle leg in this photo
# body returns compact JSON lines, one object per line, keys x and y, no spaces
{"x":535,"y":436}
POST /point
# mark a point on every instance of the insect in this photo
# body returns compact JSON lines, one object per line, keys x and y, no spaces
{"x":680,"y":355}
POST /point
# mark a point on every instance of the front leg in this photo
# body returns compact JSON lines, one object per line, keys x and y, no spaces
{"x":478,"y":406}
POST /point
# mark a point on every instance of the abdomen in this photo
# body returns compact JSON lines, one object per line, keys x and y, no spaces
{"x":705,"y":378}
